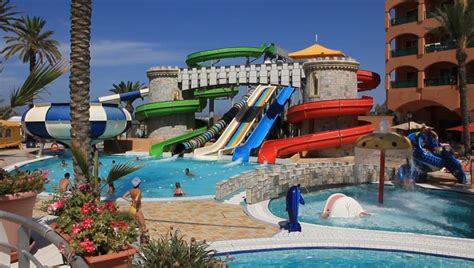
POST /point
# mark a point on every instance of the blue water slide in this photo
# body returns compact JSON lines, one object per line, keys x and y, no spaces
{"x":260,"y":132}
{"x":427,"y":161}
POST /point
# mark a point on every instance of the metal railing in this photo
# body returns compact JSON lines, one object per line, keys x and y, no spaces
{"x":22,"y":248}
{"x":431,"y":14}
{"x":404,"y":52}
{"x":470,"y":79}
{"x":404,"y":83}
{"x":440,"y":46}
{"x":403,"y":20}
{"x":441,"y":81}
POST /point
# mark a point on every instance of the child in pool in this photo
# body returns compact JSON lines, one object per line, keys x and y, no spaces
{"x":178,"y":191}
{"x":188,"y":172}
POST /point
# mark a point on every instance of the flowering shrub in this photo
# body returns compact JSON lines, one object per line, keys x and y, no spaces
{"x":96,"y":227}
{"x":20,"y":181}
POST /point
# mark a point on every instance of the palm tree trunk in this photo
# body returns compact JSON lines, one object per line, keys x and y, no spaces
{"x":32,"y":55}
{"x":461,"y":58}
{"x":79,"y":80}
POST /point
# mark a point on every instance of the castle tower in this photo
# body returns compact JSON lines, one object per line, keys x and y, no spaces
{"x":163,"y":85}
{"x":330,"y":75}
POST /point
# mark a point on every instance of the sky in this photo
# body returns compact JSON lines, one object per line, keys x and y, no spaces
{"x":131,"y":36}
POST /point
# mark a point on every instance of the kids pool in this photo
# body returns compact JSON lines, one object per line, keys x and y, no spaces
{"x":415,"y":210}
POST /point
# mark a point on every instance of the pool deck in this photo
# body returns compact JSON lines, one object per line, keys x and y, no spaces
{"x":314,"y":236}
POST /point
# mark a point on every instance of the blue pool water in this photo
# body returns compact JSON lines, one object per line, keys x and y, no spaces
{"x":343,"y":258}
{"x":417,"y":210}
{"x":158,"y":175}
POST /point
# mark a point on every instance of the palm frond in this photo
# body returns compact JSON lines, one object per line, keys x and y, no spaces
{"x":80,"y":155}
{"x":7,"y":15}
{"x":36,"y":82}
{"x":121,"y":169}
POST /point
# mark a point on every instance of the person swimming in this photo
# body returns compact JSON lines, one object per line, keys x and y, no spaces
{"x":178,"y":191}
{"x":65,"y":183}
{"x":188,"y":172}
{"x":63,"y":163}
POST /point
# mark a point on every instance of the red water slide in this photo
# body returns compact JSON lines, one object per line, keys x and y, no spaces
{"x":271,"y":149}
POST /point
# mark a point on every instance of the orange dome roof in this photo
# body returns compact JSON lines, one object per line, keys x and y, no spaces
{"x":316,"y":51}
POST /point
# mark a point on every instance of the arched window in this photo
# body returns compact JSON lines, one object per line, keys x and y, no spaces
{"x":315,"y":86}
{"x":8,"y":133}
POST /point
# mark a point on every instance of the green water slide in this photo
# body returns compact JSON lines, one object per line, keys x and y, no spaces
{"x":230,"y":52}
{"x":163,"y":108}
{"x":165,"y":146}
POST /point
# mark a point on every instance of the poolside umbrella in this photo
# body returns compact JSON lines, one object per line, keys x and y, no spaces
{"x":409,"y":125}
{"x":383,"y":141}
{"x":460,"y":128}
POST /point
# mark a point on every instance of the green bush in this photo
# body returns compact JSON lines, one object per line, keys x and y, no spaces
{"x":172,"y":250}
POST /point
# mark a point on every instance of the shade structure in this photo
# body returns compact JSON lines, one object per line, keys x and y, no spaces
{"x":51,"y":121}
{"x":460,"y":128}
{"x":316,"y":51}
{"x":383,"y":141}
{"x":409,"y":125}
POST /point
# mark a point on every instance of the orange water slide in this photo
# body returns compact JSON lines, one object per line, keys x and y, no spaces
{"x":271,"y":149}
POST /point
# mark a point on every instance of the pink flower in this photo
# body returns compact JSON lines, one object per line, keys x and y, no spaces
{"x":87,"y":245}
{"x":46,"y":173}
{"x":53,"y":207}
{"x":110,"y":206}
{"x":85,"y":188}
{"x":62,"y":249}
{"x":99,"y":210}
{"x":87,"y":207}
{"x":76,"y":228}
{"x":87,"y":222}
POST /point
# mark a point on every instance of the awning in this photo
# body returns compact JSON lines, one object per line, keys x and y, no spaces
{"x":459,"y":128}
{"x":315,"y":51}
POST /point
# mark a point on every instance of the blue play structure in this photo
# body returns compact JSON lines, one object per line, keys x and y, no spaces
{"x":430,"y":156}
{"x":293,"y":200}
{"x":407,"y":172}
{"x":258,"y":135}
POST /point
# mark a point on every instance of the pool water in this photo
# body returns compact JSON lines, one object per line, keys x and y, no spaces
{"x":415,"y":210}
{"x":342,"y":258}
{"x":158,"y":175}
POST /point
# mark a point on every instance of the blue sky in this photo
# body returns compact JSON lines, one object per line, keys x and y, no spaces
{"x":130,"y":36}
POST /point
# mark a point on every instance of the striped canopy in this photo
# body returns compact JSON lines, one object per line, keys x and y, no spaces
{"x":51,"y":121}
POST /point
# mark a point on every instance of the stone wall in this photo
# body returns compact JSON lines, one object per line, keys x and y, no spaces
{"x":273,"y":181}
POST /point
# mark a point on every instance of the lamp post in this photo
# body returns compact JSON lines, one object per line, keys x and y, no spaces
{"x":409,"y":116}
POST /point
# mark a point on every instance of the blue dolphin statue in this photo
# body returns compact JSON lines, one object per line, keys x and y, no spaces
{"x":293,"y":199}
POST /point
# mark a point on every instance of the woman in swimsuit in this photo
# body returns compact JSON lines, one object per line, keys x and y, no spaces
{"x":134,"y":196}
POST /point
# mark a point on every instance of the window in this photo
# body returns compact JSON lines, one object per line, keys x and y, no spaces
{"x":411,"y":76}
{"x":315,"y":88}
{"x":8,"y":133}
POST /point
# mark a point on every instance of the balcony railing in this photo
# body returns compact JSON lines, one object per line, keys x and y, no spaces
{"x":404,"y":83}
{"x":440,"y":46}
{"x":470,"y":79}
{"x":431,"y":14}
{"x":403,"y":20}
{"x":441,"y":81}
{"x":404,"y":52}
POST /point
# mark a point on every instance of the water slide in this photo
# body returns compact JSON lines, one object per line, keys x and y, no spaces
{"x":428,"y":161}
{"x":164,"y":146}
{"x":272,"y":149}
{"x":156,"y":109}
{"x":117,"y":98}
{"x":270,"y":50}
{"x":260,"y":132}
{"x":242,"y":123}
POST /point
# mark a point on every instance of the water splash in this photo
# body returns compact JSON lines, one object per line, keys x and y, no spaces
{"x":234,"y":163}
{"x":170,"y":159}
{"x":384,"y":126}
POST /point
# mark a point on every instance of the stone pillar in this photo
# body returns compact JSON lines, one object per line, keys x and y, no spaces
{"x":163,"y":87}
{"x":330,"y":78}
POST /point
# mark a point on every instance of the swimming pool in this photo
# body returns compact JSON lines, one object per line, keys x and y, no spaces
{"x":158,"y":175}
{"x":417,"y":210}
{"x":342,"y":258}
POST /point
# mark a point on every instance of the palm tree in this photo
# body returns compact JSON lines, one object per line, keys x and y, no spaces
{"x":32,"y":43}
{"x":34,"y":84}
{"x":124,"y":87}
{"x":79,"y":81}
{"x":457,"y":21}
{"x":7,"y":15}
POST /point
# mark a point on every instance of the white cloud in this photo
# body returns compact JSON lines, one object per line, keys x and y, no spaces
{"x":121,"y":53}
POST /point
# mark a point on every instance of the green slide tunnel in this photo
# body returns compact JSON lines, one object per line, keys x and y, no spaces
{"x":165,"y":146}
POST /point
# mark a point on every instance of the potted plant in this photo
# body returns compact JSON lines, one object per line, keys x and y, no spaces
{"x":18,"y":191}
{"x":96,"y":230}
{"x":172,"y":250}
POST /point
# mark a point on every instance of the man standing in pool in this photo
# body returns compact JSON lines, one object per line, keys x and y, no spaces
{"x":293,"y":199}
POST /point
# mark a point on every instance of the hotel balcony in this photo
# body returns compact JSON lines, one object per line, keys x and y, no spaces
{"x":403,"y":20}
{"x":441,"y":81}
{"x":403,"y":52}
{"x":440,"y":46}
{"x":404,"y":84}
